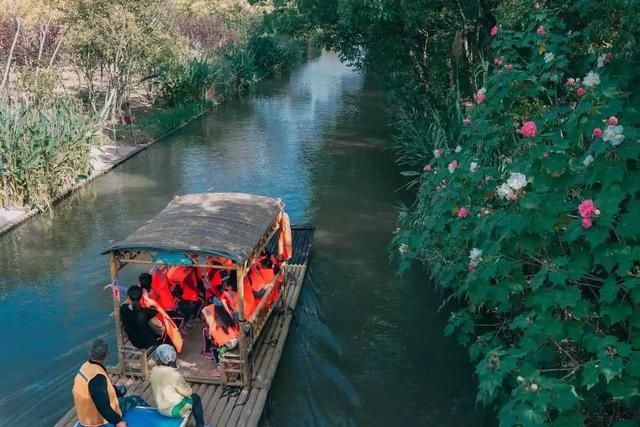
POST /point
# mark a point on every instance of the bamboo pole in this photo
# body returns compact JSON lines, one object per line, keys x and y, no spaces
{"x":244,"y":345}
{"x":114,"y":264}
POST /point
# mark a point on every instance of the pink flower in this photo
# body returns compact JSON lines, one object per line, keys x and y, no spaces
{"x":529,"y":129}
{"x":499,"y":61}
{"x":571,"y":81}
{"x":494,"y":31}
{"x":509,"y":67}
{"x":499,"y":72}
{"x":597,"y":133}
{"x":536,"y":5}
{"x":462,"y":213}
{"x":613,"y":121}
{"x":480,"y":97}
{"x":427,"y":168}
{"x":467,"y":121}
{"x":586,"y":223}
{"x":513,"y":197}
{"x":587,"y":209}
{"x":540,"y":31}
{"x":580,"y":91}
{"x":453,"y":166}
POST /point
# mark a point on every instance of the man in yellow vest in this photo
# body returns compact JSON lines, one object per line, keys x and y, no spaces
{"x":97,"y":402}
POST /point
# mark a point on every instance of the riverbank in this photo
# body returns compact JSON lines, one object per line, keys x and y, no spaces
{"x":102,"y":159}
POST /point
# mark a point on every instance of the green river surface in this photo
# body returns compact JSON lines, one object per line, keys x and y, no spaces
{"x":366,"y":348}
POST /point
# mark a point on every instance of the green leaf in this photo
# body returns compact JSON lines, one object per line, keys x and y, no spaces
{"x":623,"y":388}
{"x":590,"y":375}
{"x":409,"y":173}
{"x":633,"y":365}
{"x":571,"y":419}
{"x":616,"y":312}
{"x":609,"y":291}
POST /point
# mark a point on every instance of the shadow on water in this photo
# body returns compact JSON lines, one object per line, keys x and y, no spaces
{"x":366,"y":349}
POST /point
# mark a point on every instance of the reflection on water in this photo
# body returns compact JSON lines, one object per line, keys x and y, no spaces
{"x":366,"y":348}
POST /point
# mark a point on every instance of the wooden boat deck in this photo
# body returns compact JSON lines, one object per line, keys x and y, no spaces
{"x":232,"y":406}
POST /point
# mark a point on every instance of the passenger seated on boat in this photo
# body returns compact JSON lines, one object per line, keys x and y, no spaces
{"x":172,"y":326}
{"x":172,"y":393}
{"x":186,"y":289}
{"x":96,"y":399}
{"x":222,"y":331}
{"x":140,"y":325}
{"x":157,"y":285}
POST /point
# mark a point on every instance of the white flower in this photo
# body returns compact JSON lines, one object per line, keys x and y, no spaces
{"x":588,"y":160}
{"x":404,"y":248}
{"x":458,"y":149}
{"x":504,"y":191}
{"x":601,"y":59}
{"x":451,"y":168}
{"x":437,"y":153}
{"x":475,"y":254}
{"x":548,"y":57}
{"x":473,"y":166}
{"x":517,"y":181}
{"x":613,"y":135}
{"x":591,"y":79}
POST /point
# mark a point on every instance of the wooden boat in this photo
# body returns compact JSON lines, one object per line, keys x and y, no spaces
{"x":192,"y":229}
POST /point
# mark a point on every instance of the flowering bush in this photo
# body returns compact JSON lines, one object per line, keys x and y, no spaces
{"x":547,"y":259}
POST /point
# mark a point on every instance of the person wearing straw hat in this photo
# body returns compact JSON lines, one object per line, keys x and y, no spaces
{"x":172,"y":393}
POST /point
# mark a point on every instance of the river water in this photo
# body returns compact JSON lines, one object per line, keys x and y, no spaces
{"x":366,"y":348}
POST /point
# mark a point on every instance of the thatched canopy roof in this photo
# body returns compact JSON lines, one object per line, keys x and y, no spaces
{"x":218,"y":224}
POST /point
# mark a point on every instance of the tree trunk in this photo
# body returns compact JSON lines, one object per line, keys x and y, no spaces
{"x":10,"y":58}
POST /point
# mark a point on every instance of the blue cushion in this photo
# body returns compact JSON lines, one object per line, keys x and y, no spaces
{"x":148,"y":417}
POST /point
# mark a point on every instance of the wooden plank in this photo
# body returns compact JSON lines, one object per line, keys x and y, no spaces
{"x":206,"y":396}
{"x":248,"y":408}
{"x":256,"y":414}
{"x":222,"y":401}
{"x":211,"y":406}
{"x":229,"y":407}
{"x":277,"y":354}
{"x":237,"y":408}
{"x":67,"y":418}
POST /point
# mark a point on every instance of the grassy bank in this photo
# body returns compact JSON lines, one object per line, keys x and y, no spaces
{"x":83,"y":74}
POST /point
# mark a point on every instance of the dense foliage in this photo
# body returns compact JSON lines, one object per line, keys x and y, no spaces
{"x":43,"y":149}
{"x":528,"y":187}
{"x":151,"y":63}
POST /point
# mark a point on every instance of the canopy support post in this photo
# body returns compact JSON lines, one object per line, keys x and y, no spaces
{"x":114,"y":265}
{"x":245,"y":329}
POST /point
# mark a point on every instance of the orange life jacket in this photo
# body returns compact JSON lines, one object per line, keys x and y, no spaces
{"x":169,"y":325}
{"x":218,"y":336}
{"x":260,"y":276}
{"x":185,"y":277}
{"x":86,"y":410}
{"x":161,"y":292}
{"x":230,"y":298}
{"x":215,"y":281}
{"x":250,"y":301}
{"x":285,"y":245}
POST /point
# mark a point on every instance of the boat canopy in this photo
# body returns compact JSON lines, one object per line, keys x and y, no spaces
{"x":216,"y":224}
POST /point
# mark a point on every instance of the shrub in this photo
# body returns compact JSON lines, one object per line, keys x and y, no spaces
{"x":189,"y":82}
{"x":44,"y":148}
{"x":273,"y":53}
{"x":530,"y":219}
